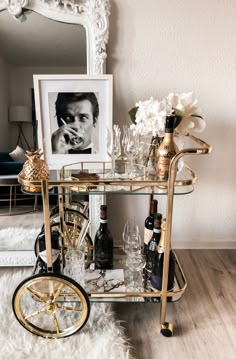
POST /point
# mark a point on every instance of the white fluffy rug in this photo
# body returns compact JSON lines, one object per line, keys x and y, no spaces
{"x":102,"y":337}
{"x":18,"y":238}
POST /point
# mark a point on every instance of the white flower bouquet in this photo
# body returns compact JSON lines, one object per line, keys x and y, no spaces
{"x":149,"y":116}
{"x":149,"y":119}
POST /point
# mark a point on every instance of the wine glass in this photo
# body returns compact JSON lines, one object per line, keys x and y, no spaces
{"x":133,"y":244}
{"x":130,"y":232}
{"x":124,"y":142}
{"x":131,"y":150}
{"x":113,"y":147}
{"x":135,"y":263}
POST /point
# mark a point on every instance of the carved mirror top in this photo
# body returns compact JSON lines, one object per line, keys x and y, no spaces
{"x":92,"y":14}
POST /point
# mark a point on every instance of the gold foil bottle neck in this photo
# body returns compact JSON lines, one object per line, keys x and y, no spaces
{"x":160,"y":247}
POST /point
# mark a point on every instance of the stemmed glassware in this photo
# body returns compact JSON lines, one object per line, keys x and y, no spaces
{"x":113,"y":147}
{"x":130,"y":142}
{"x":130,"y":235}
{"x":135,"y":261}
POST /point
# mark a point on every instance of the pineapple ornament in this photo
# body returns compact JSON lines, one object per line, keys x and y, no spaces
{"x":34,"y":169}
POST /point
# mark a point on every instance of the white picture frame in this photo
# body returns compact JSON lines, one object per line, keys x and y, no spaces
{"x":47,"y":88}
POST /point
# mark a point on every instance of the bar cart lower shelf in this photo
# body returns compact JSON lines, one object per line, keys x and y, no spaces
{"x":53,"y":305}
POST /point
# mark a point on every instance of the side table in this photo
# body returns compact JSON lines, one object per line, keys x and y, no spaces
{"x":13,"y":196}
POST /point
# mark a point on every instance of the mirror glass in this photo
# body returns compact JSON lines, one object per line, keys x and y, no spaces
{"x":38,"y":45}
{"x":40,"y":41}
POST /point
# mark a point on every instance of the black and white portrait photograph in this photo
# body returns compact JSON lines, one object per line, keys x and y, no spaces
{"x":74,"y":114}
{"x":74,"y":121}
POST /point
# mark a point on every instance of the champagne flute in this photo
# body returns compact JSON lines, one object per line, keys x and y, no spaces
{"x":113,"y":147}
{"x":132,"y":147}
{"x":124,"y":145}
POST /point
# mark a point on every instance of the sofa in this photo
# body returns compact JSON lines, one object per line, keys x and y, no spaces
{"x":8,"y":166}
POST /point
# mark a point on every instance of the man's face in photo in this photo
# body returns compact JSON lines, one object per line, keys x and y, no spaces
{"x":79,"y":116}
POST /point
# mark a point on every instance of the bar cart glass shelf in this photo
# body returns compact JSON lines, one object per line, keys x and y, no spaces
{"x":53,"y":305}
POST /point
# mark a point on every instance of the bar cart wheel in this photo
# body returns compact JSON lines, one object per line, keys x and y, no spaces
{"x":167,"y":329}
{"x":51,"y":305}
{"x":70,"y":215}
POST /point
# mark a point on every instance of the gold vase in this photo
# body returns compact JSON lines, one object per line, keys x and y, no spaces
{"x":34,"y":169}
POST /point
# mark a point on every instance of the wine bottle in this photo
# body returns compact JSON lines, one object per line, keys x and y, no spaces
{"x":152,"y":245}
{"x":103,"y":243}
{"x":167,"y":150}
{"x":42,"y":255}
{"x":157,"y":271}
{"x":148,"y":224}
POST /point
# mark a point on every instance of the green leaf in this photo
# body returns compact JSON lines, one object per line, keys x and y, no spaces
{"x":132,"y":113}
{"x":197,"y":116}
{"x":178,"y":117}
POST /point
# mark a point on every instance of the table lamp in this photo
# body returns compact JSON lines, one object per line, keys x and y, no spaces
{"x":20,"y":115}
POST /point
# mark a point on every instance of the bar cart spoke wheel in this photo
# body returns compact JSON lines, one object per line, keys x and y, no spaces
{"x":51,"y":305}
{"x":70,"y":215}
{"x":167,"y":329}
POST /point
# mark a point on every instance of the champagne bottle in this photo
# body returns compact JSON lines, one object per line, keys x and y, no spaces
{"x":148,"y":224}
{"x":42,"y":255}
{"x":152,"y":246}
{"x":166,"y":151}
{"x":157,"y":271}
{"x":103,"y":243}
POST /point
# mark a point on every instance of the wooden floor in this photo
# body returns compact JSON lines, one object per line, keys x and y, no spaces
{"x":204,"y":319}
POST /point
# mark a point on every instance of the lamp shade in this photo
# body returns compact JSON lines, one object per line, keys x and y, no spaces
{"x":20,"y":114}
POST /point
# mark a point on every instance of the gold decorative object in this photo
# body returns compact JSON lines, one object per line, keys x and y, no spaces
{"x":34,"y":169}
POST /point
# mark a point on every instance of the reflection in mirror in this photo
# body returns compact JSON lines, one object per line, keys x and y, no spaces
{"x":38,"y":45}
{"x":40,"y":41}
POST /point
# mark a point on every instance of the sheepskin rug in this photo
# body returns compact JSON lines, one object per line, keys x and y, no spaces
{"x":102,"y":337}
{"x":14,"y":238}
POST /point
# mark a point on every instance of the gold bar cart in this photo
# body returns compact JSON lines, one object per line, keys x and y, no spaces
{"x":40,"y":301}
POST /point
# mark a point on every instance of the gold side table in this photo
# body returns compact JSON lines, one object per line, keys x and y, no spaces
{"x":13,"y":197}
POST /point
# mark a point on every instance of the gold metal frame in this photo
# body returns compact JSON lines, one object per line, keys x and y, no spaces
{"x":104,"y":185}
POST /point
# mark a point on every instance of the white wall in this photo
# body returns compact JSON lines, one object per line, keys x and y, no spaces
{"x":157,"y":47}
{"x":3,"y":105}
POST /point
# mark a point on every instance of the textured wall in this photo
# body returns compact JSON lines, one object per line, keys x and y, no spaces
{"x":156,"y":47}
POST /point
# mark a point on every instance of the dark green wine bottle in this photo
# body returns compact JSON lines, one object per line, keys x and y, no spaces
{"x":157,"y":271}
{"x":148,"y":224}
{"x":103,"y":243}
{"x":152,"y":245}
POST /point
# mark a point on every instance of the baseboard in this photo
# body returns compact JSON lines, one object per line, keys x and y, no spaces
{"x":204,"y":245}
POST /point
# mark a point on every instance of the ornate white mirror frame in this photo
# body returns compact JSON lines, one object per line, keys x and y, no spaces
{"x":93,"y":16}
